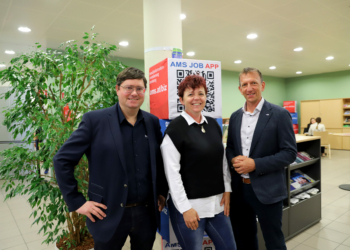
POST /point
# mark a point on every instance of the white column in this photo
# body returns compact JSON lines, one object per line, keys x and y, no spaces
{"x":162,"y":32}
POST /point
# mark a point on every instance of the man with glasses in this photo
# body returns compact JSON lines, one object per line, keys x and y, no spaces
{"x":127,"y":184}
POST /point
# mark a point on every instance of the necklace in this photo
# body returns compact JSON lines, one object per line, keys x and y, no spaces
{"x":203,"y":130}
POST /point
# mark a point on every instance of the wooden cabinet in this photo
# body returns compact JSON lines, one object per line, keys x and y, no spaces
{"x":346,"y":139}
{"x":334,"y":113}
{"x":308,"y":110}
{"x":335,"y":141}
{"x":331,"y":113}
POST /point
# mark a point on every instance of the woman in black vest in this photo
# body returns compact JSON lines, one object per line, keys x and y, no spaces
{"x":197,"y":172}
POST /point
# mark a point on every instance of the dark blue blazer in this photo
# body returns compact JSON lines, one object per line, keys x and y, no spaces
{"x":273,"y":147}
{"x":100,"y":139}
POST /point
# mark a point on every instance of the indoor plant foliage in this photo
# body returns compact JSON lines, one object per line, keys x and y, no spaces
{"x":51,"y":91}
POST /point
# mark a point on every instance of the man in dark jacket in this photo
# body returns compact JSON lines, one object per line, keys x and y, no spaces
{"x":127,"y":184}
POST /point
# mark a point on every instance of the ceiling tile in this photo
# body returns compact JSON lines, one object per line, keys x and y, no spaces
{"x":268,"y":4}
{"x":35,"y":20}
{"x":74,"y":24}
{"x":52,"y":6}
{"x":297,"y":8}
{"x":317,"y":17}
{"x":205,"y":6}
{"x":331,"y":2}
{"x":84,"y":11}
{"x":132,"y":6}
{"x":110,"y":4}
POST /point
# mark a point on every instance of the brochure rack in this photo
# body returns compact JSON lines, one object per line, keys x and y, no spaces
{"x":306,"y":213}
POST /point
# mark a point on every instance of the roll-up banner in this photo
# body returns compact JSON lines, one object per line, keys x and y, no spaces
{"x":165,"y":77}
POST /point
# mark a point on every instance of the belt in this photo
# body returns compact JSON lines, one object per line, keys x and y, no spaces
{"x":246,"y":180}
{"x":135,"y":204}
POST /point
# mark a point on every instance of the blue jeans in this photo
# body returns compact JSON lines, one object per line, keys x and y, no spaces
{"x":218,"y":228}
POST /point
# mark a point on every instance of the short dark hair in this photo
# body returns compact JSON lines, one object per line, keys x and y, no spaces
{"x":318,"y":119}
{"x":248,"y":70}
{"x":131,"y":73}
{"x":193,"y":82}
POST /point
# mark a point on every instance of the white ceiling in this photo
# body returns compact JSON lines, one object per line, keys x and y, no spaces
{"x":214,"y":30}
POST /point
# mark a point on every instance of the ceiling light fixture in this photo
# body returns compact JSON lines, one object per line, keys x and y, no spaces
{"x":298,"y":49}
{"x":272,"y":67}
{"x":10,"y":52}
{"x":298,"y":72}
{"x":238,"y":61}
{"x":2,"y":65}
{"x":124,"y":43}
{"x":330,"y":58}
{"x":252,"y":36}
{"x":182,"y":16}
{"x":190,"y":53}
{"x":24,"y":29}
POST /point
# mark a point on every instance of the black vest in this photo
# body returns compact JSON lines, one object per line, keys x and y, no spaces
{"x":201,"y":156}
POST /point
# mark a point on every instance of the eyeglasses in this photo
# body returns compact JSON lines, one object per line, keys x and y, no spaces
{"x":130,"y":89}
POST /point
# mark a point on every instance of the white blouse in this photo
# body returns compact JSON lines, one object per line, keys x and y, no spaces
{"x":314,"y":128}
{"x":206,"y":207}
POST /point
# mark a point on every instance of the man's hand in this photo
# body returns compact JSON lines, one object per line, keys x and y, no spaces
{"x":91,"y":208}
{"x":161,"y":202}
{"x":244,"y":166}
{"x":238,"y":159}
{"x":191,"y":219}
{"x":226,"y":201}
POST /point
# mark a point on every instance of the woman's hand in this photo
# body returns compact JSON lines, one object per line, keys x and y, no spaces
{"x":226,"y":201}
{"x":191,"y":219}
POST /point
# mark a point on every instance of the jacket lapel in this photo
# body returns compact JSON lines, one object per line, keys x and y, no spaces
{"x":265,"y":114}
{"x":151,"y":140}
{"x":238,"y":131}
{"x":117,"y":136}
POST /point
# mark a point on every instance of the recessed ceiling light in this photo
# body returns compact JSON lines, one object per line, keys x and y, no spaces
{"x":330,"y":58}
{"x":272,"y":67}
{"x":11,"y":52}
{"x":190,"y":53}
{"x":298,"y":49}
{"x":2,"y":65}
{"x":238,"y":61}
{"x":298,"y":72}
{"x":182,"y":16}
{"x":24,"y":29}
{"x":124,"y":43}
{"x":252,"y":36}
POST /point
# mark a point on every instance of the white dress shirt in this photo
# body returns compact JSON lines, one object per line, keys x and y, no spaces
{"x":206,"y":207}
{"x":249,"y":121}
{"x":316,"y":127}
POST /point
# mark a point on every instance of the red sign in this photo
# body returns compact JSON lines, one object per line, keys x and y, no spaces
{"x":296,"y":128}
{"x":291,"y":106}
{"x":158,"y":90}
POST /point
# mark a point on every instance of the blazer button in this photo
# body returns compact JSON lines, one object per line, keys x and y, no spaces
{"x":125,"y":185}
{"x":121,"y":204}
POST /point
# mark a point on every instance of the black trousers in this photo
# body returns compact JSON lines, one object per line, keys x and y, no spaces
{"x":245,"y":206}
{"x":137,"y":222}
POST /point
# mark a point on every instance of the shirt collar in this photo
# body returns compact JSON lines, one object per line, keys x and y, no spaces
{"x":190,"y":120}
{"x":257,"y":109}
{"x":122,"y":117}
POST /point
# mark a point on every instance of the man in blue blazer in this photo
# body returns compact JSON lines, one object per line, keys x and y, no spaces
{"x":260,"y":144}
{"x":127,"y":184}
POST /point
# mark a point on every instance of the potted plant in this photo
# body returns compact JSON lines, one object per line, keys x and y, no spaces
{"x":51,"y":90}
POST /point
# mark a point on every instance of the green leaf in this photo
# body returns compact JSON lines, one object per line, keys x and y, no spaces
{"x":85,"y":37}
{"x":81,"y":47}
{"x":39,"y":46}
{"x":86,"y":42}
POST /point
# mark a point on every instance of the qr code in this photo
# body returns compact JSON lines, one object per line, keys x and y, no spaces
{"x":209,"y":77}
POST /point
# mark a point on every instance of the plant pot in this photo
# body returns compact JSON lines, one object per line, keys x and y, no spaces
{"x":56,"y":248}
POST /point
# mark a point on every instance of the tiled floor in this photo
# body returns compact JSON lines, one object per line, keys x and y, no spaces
{"x":333,"y":232}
